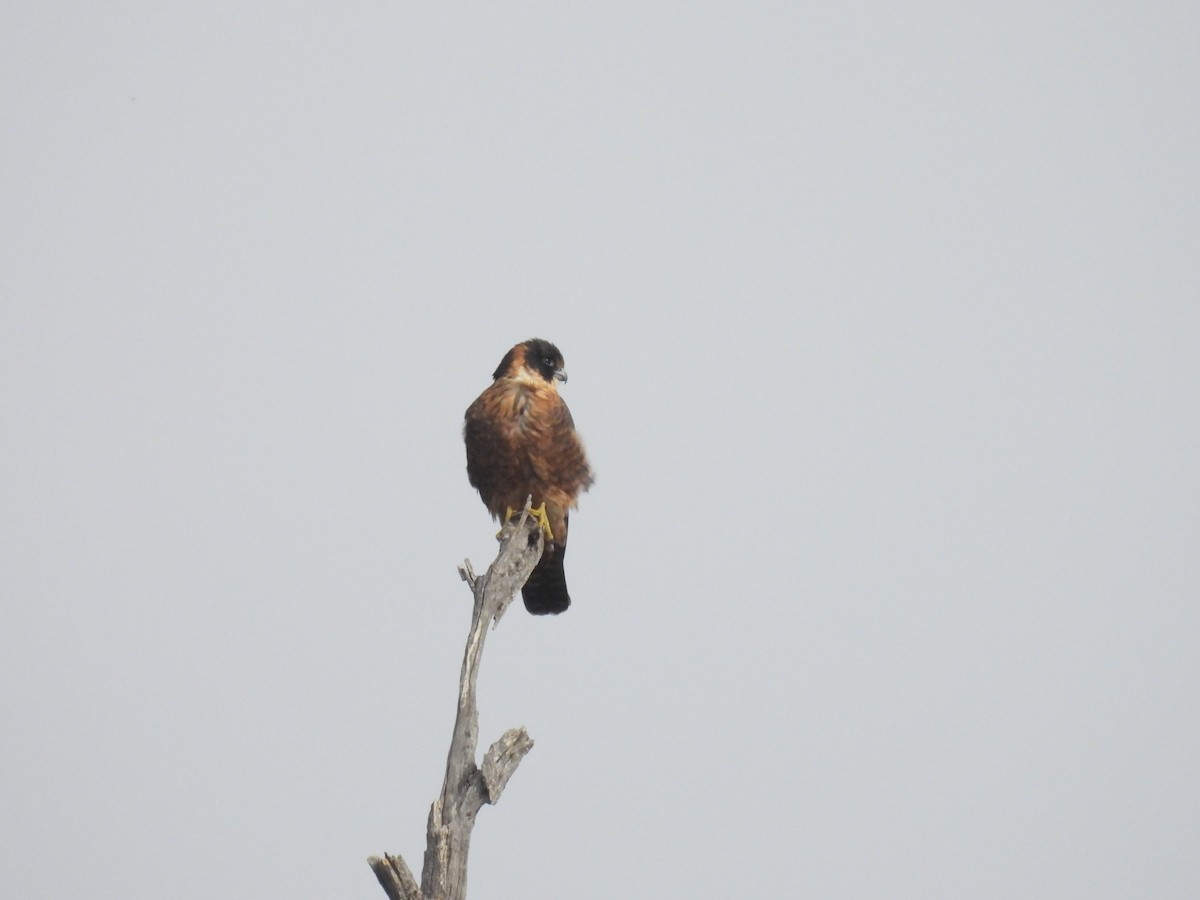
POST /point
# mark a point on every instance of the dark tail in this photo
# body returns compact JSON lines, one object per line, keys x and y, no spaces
{"x":546,"y":590}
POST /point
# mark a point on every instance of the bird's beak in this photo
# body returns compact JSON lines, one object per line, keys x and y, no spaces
{"x":560,"y":375}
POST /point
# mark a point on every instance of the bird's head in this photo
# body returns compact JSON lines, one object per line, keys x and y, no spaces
{"x":535,"y":359}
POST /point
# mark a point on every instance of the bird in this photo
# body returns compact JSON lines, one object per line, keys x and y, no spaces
{"x":521,"y":441}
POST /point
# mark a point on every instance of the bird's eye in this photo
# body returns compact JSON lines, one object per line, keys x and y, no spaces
{"x":548,"y":361}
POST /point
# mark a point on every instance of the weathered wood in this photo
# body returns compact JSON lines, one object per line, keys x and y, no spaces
{"x":502,"y":760}
{"x":395,"y":877}
{"x":467,"y":787}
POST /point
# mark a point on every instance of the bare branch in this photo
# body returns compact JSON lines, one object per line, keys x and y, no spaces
{"x":394,"y":876}
{"x":466,"y":787}
{"x":502,"y":760}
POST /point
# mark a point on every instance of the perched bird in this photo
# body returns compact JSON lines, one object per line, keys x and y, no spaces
{"x":520,"y":441}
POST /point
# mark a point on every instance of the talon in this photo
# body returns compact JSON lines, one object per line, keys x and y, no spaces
{"x":543,"y":519}
{"x":509,"y":512}
{"x":539,"y":514}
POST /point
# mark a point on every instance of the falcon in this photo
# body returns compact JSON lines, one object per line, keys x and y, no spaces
{"x":521,"y":441}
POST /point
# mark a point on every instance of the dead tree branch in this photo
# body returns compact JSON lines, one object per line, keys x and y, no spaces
{"x":467,"y":786}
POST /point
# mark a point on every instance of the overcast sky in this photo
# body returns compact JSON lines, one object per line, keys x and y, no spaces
{"x":883,"y":332}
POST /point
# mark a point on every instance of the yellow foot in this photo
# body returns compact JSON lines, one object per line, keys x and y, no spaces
{"x":539,"y":513}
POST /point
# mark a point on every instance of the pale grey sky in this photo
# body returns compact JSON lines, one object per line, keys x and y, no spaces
{"x":882,"y":325}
